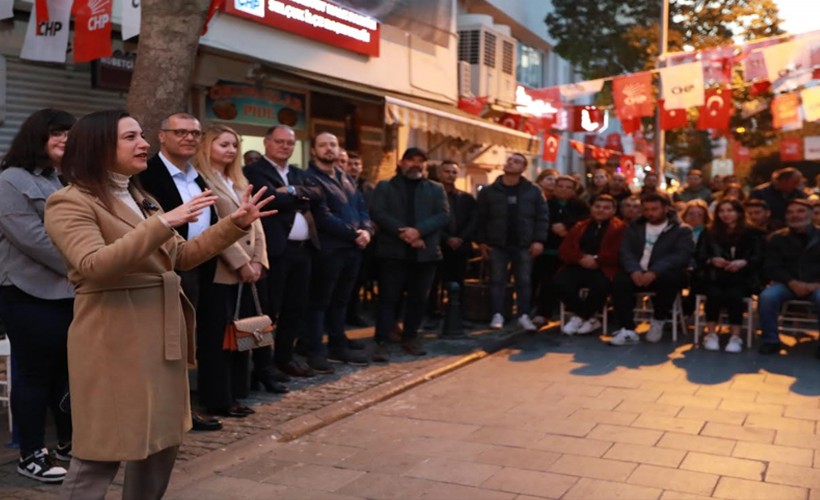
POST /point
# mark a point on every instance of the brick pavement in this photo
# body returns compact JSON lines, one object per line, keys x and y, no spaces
{"x":579,"y":420}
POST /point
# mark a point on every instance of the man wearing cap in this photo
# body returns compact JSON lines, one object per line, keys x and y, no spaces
{"x":410,"y":213}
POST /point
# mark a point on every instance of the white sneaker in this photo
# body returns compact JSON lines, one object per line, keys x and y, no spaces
{"x":539,"y":321}
{"x":655,"y":333}
{"x":497,"y":323}
{"x":624,"y":337}
{"x":589,"y":326}
{"x":38,"y":466}
{"x":572,"y":326}
{"x":735,"y":345}
{"x":526,"y":323}
{"x":711,"y":342}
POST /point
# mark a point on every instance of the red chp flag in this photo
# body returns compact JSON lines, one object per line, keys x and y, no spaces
{"x":472,"y":105}
{"x":672,"y":118}
{"x":41,"y":6}
{"x":791,"y":149}
{"x":717,"y":110}
{"x":785,"y":111}
{"x":633,"y":95}
{"x":92,"y":29}
{"x":551,"y":144}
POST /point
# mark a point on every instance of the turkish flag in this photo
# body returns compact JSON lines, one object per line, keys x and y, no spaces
{"x":633,"y":95}
{"x":578,"y":146}
{"x":791,"y":149}
{"x":511,"y":120}
{"x":472,"y":105}
{"x":92,"y":29}
{"x":716,"y":113}
{"x":672,"y":118}
{"x":551,"y":144}
{"x":627,"y":167}
{"x":785,"y":111}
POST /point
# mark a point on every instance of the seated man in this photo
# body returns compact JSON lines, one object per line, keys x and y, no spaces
{"x":758,"y":213}
{"x":793,"y":265}
{"x":591,"y":252}
{"x":655,"y":252}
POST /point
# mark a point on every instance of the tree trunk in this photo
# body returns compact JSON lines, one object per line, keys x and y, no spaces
{"x":168,"y":41}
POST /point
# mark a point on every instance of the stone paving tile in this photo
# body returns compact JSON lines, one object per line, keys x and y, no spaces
{"x":726,"y":393}
{"x":719,"y":416}
{"x":679,"y":480}
{"x":454,"y":491}
{"x":577,"y":446}
{"x":302,"y":494}
{"x":449,"y":448}
{"x":687,"y":400}
{"x":564,"y":427}
{"x":573,"y":388}
{"x":594,"y":468}
{"x":752,"y":407}
{"x":645,"y":454}
{"x":257,"y":469}
{"x":773,"y":453}
{"x":518,"y":458}
{"x":604,"y":417}
{"x":779,"y":423}
{"x":314,"y":477}
{"x":386,"y":486}
{"x":671,"y":424}
{"x":385,"y":461}
{"x":750,"y":385}
{"x":789,"y":399}
{"x":307,"y":452}
{"x":797,"y":439}
{"x":541,"y":484}
{"x":503,"y":436}
{"x":649,"y":408}
{"x":221,"y":488}
{"x":802,"y":412}
{"x":724,"y":466}
{"x":676,"y":387}
{"x":740,"y":433}
{"x":793,"y":475}
{"x":621,"y":434}
{"x":645,"y":395}
{"x":589,"y":402}
{"x":679,"y":495}
{"x":596,"y":489}
{"x":453,"y":471}
{"x":742,"y":489}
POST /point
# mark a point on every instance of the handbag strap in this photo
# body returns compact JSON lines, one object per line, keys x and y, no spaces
{"x":255,"y":300}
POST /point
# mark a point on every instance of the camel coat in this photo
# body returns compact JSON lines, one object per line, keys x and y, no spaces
{"x":133,"y":327}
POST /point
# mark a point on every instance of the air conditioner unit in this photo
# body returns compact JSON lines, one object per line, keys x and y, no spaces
{"x":491,"y":56}
{"x":506,"y":75}
{"x":465,"y":79}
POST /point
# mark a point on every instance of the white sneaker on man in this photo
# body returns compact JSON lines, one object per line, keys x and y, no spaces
{"x":572,"y":326}
{"x":655,"y":333}
{"x":624,"y":337}
{"x":711,"y":342}
{"x":526,"y":323}
{"x":497,"y":323}
{"x":735,"y":345}
{"x":589,"y":326}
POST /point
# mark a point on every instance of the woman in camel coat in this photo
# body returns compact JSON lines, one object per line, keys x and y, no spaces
{"x":131,"y":339}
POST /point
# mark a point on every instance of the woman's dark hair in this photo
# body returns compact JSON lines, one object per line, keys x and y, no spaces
{"x":721,"y":232}
{"x":28,"y":149}
{"x":91,"y":151}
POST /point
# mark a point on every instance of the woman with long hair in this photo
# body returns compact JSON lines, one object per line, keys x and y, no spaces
{"x":130,"y":342}
{"x":729,"y":255}
{"x":223,"y":375}
{"x":36,"y":298}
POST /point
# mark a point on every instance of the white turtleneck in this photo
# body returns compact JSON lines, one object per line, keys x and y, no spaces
{"x":119,"y":188}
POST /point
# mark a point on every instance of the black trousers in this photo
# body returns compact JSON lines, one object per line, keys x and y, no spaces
{"x":571,"y":279}
{"x":451,"y":269}
{"x":399,"y":277}
{"x":222,"y":376}
{"x":666,"y":287}
{"x":333,"y":275}
{"x":727,"y":296}
{"x":545,"y":297}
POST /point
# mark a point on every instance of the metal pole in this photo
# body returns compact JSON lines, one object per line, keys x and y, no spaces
{"x":660,"y":136}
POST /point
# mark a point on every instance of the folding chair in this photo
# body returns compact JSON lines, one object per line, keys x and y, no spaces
{"x":797,"y":316}
{"x":700,"y":318}
{"x":644,"y":311}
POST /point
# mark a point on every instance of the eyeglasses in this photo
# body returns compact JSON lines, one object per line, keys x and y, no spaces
{"x":181,"y":133}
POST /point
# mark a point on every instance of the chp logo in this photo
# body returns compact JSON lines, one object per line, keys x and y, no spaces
{"x":635,"y":94}
{"x":254,"y":7}
{"x":99,"y":16}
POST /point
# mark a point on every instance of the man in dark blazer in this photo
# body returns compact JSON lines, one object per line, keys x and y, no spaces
{"x":292,"y":239}
{"x":410,"y":213}
{"x":172,"y":180}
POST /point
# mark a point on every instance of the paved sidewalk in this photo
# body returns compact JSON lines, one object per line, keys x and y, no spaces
{"x":539,"y":420}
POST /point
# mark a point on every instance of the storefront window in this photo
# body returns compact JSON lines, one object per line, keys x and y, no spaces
{"x":530,"y":66}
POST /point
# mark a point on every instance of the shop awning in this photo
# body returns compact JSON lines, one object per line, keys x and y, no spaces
{"x":451,"y":122}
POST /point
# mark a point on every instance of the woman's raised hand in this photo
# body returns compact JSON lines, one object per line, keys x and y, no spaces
{"x":190,"y":210}
{"x":251,"y":207}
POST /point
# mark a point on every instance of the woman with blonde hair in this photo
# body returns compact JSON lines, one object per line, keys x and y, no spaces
{"x":223,"y":375}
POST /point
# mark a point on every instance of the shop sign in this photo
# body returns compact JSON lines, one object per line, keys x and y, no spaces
{"x":319,"y":20}
{"x":115,"y":72}
{"x":248,"y":104}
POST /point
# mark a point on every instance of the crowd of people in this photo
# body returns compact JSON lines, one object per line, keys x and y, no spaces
{"x":121,"y":271}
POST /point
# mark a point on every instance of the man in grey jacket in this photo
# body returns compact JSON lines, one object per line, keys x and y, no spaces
{"x":410,"y":212}
{"x":513,"y":221}
{"x":655,"y":252}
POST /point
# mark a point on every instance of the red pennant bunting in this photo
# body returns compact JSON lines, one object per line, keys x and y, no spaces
{"x":92,"y":29}
{"x":760,"y":87}
{"x":472,"y":105}
{"x":631,"y":125}
{"x":717,"y":111}
{"x":41,"y":6}
{"x":785,"y":111}
{"x":672,"y":118}
{"x":791,"y":149}
{"x":551,"y":144}
{"x":633,"y":95}
{"x":613,"y":142}
{"x":578,"y":146}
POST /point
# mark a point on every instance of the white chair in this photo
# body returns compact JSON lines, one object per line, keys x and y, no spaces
{"x":5,"y":385}
{"x":797,"y":316}
{"x":748,"y":317}
{"x":644,"y":311}
{"x":603,"y":315}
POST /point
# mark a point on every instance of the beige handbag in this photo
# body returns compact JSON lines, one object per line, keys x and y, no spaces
{"x":244,"y":334}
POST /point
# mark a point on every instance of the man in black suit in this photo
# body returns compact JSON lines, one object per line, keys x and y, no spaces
{"x":172,"y":180}
{"x":292,"y":238}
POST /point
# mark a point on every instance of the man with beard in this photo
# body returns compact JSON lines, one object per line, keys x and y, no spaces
{"x":410,"y":213}
{"x":336,"y":264}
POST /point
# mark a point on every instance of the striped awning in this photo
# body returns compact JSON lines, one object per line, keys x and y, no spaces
{"x":450,"y":123}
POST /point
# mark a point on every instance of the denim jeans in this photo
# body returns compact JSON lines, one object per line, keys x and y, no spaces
{"x":520,"y":260}
{"x":769,"y":303}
